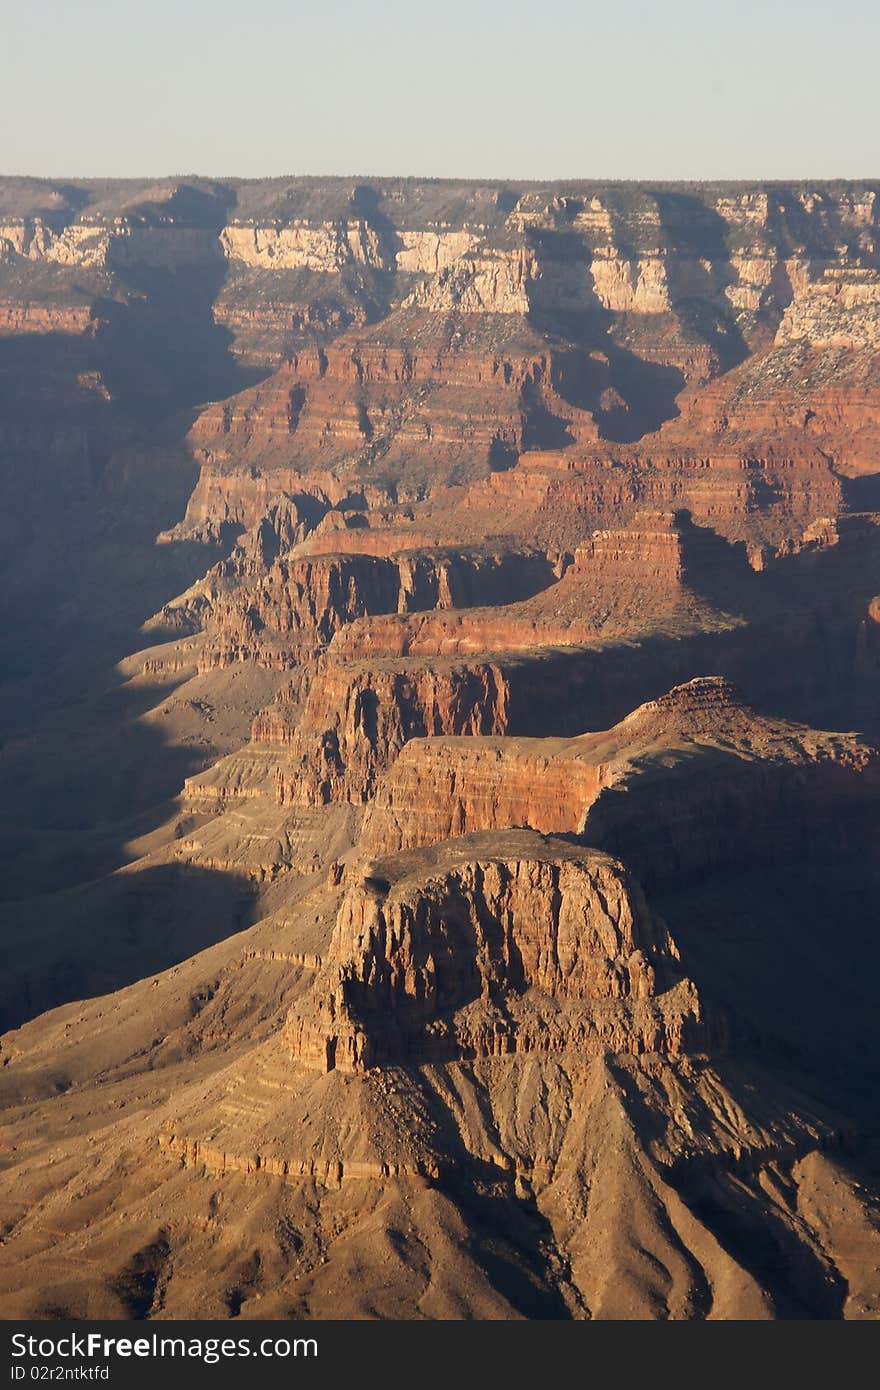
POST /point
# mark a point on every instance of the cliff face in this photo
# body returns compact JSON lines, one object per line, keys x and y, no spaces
{"x":623,"y":250}
{"x":355,"y":722}
{"x":685,"y":783}
{"x":291,"y":606}
{"x":533,"y":952}
{"x":379,"y":591}
{"x":447,"y":292}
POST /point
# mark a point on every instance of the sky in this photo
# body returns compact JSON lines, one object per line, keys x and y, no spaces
{"x":685,"y":89}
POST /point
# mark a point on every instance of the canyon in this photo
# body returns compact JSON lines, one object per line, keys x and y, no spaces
{"x":440,"y":746}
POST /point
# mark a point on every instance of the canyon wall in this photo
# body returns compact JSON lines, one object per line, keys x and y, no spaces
{"x":441,"y":623}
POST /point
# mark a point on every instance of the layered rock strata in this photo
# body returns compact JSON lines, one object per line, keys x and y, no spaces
{"x":535,"y":948}
{"x":684,"y":779}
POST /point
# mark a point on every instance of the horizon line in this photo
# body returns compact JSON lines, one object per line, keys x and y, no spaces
{"x":490,"y":179}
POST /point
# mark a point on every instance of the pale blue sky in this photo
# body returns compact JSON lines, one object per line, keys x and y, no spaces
{"x":473,"y":88}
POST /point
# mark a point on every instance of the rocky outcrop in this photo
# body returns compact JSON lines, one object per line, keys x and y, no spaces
{"x":331,"y":247}
{"x":34,"y":239}
{"x":691,"y":781}
{"x":494,"y":283}
{"x":663,"y":268}
{"x":841,"y":309}
{"x":616,"y":582}
{"x":357,"y":719}
{"x":536,"y":948}
{"x":219,"y":507}
{"x":118,"y":244}
{"x":24,"y":316}
{"x":479,"y":785}
{"x":416,"y":394}
{"x":749,"y":792}
{"x":327,"y":247}
{"x":296,"y":604}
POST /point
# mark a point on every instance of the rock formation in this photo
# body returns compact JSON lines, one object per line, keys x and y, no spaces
{"x":690,"y":780}
{"x":540,"y":950}
{"x":442,"y":634}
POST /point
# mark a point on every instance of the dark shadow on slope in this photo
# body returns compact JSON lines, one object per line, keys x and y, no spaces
{"x":161,"y":348}
{"x":788,"y":948}
{"x":795,"y":668}
{"x":512,"y":1241}
{"x":799,"y":643}
{"x":88,"y":481}
{"x":107,"y":934}
{"x":74,"y":198}
{"x":862,"y":494}
{"x":745,"y":1223}
{"x":648,"y":393}
{"x":502,"y":455}
{"x":541,"y":429}
{"x":508,"y":1236}
{"x":717,"y":570}
{"x":373,"y":285}
{"x":81,"y":572}
{"x":85,"y":490}
{"x":695,"y":233}
{"x":137,"y":1284}
{"x":81,"y":779}
{"x":627,"y":395}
